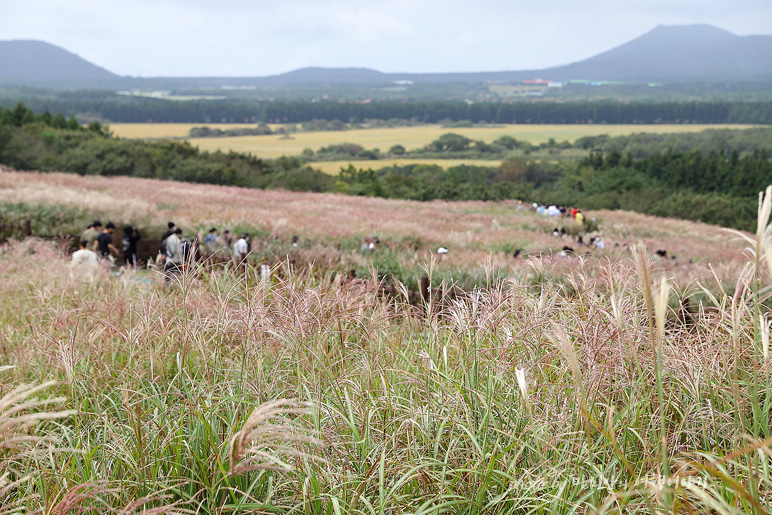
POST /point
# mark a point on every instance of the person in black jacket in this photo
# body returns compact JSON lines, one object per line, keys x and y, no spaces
{"x":131,"y":236}
{"x":103,"y":244}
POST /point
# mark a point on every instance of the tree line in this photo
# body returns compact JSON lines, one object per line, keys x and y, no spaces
{"x":717,"y":171}
{"x":458,"y":146}
{"x":22,"y":115}
{"x":528,"y":112}
{"x":115,"y":108}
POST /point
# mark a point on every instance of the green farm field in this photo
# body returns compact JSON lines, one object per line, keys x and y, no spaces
{"x":272,"y":146}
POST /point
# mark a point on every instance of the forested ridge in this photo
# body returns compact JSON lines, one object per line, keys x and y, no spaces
{"x":713,"y":176}
{"x":108,"y":107}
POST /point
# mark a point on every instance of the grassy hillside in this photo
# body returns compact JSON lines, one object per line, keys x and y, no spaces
{"x":612,"y":383}
{"x":412,"y":231}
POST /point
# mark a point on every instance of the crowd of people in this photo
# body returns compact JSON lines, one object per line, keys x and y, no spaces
{"x":98,"y":243}
{"x":97,"y":247}
{"x":225,"y":246}
{"x":560,"y":211}
{"x":594,"y":241}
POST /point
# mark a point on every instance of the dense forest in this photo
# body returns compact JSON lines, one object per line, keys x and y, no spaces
{"x":108,"y":107}
{"x":528,"y":112}
{"x":713,"y":176}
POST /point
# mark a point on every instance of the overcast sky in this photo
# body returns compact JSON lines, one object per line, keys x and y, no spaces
{"x":256,"y":38}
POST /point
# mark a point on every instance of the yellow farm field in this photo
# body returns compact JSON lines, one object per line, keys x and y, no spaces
{"x":333,"y":167}
{"x":169,"y":130}
{"x":416,"y":137}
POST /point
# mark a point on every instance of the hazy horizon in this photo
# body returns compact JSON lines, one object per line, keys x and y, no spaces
{"x":239,"y":38}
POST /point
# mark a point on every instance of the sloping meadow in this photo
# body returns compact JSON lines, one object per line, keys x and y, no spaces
{"x":557,"y":385}
{"x":331,"y":228}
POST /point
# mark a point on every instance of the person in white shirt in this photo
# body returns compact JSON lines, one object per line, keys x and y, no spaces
{"x":241,"y":248}
{"x":174,"y":257}
{"x":84,"y":261}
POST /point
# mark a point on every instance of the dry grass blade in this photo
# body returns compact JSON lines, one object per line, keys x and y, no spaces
{"x":6,"y":487}
{"x":137,"y":506}
{"x":764,"y":325}
{"x":270,"y":435}
{"x":760,"y":247}
{"x":562,"y":341}
{"x":521,"y":383}
{"x":83,"y":498}
{"x":660,"y":309}
{"x":765,"y":208}
{"x":17,"y":417}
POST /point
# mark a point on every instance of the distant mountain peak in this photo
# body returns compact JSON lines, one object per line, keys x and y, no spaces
{"x":342,"y":68}
{"x":698,"y":33}
{"x":694,"y":27}
{"x":680,"y":53}
{"x":321,"y":74}
{"x":26,"y":61}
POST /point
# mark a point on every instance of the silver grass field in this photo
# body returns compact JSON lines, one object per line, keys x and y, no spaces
{"x":595,"y":392}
